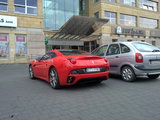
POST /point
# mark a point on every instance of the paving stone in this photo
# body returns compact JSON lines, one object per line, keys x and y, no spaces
{"x":25,"y":99}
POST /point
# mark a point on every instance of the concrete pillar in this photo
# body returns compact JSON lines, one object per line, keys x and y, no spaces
{"x":118,"y":18}
{"x":137,"y":3}
{"x":118,"y":1}
{"x":138,"y":21}
{"x":12,"y":52}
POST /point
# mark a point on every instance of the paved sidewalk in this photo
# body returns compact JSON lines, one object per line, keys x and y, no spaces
{"x":25,"y":99}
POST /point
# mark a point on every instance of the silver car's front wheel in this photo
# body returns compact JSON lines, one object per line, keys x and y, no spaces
{"x":128,"y":74}
{"x":54,"y":82}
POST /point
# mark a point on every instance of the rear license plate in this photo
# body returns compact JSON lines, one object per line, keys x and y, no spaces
{"x":155,"y":62}
{"x":92,"y":69}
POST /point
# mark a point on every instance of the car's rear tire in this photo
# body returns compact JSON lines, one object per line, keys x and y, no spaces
{"x":153,"y":76}
{"x":53,"y":78}
{"x":31,"y":73}
{"x":128,"y":74}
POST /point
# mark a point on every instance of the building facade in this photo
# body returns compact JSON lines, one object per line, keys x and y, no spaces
{"x":129,"y":20}
{"x":21,"y":30}
{"x":25,"y":24}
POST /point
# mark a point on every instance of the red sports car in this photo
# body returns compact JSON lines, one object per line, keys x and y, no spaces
{"x":63,"y":67}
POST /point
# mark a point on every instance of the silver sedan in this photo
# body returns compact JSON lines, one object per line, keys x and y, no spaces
{"x":131,"y":59}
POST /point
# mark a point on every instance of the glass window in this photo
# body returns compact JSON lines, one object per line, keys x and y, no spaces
{"x":96,"y":15}
{"x":4,"y":46}
{"x":20,"y":9}
{"x":3,"y":5}
{"x":144,"y":47}
{"x":58,"y":12}
{"x":45,"y":57}
{"x":52,"y":54}
{"x":128,"y":2}
{"x":127,"y":20}
{"x":112,"y":1}
{"x":69,"y":5}
{"x":31,"y":10}
{"x":21,"y":46}
{"x":113,"y":49}
{"x":148,"y":5}
{"x":114,"y":40}
{"x":19,"y":2}
{"x":96,"y":0}
{"x":82,"y":5}
{"x":32,"y":3}
{"x":60,"y":16}
{"x":148,"y":23}
{"x":76,"y":6}
{"x":5,"y":1}
{"x":86,"y":46}
{"x":154,"y":43}
{"x":100,"y":51}
{"x":111,"y":16}
{"x":26,"y":6}
{"x":61,"y":4}
{"x":124,"y":48}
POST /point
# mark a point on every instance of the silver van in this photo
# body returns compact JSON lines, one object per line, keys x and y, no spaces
{"x":131,"y":59}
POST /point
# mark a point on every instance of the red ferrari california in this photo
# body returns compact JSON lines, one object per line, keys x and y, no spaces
{"x":68,"y":67}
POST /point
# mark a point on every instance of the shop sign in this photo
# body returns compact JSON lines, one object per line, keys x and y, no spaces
{"x":128,"y":31}
{"x":8,"y":21}
{"x":21,"y":46}
{"x":4,"y":46}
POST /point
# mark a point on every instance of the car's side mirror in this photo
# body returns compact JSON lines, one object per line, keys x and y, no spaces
{"x":38,"y":59}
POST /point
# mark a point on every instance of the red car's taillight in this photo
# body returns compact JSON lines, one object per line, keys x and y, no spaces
{"x":139,"y":58}
{"x":72,"y":60}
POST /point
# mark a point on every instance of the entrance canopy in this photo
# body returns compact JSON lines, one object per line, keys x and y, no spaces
{"x":78,"y":27}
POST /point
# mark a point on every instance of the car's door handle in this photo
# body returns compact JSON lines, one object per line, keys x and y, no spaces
{"x":117,"y":57}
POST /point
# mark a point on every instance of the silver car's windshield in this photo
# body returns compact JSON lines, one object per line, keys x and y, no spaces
{"x":144,"y":47}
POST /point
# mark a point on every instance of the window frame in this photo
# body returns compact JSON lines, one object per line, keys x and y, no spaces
{"x":25,"y":8}
{"x":126,"y":47}
{"x":110,"y":17}
{"x":125,"y":20}
{"x":115,"y":53}
{"x":143,"y":20}
{"x":96,"y":50}
{"x":128,"y":3}
{"x":147,"y":4}
{"x":49,"y":56}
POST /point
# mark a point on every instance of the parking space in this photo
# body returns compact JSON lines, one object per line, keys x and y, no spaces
{"x":25,"y":99}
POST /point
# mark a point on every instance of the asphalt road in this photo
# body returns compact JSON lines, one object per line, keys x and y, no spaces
{"x":25,"y":99}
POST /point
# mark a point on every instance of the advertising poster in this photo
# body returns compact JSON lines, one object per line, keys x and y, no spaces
{"x":21,"y":46}
{"x":4,"y":46}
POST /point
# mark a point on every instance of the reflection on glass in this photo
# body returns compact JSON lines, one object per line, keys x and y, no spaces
{"x":58,"y":12}
{"x":32,"y":3}
{"x":148,"y":5}
{"x":5,"y":1}
{"x":31,"y":10}
{"x":20,"y":9}
{"x":3,"y":7}
{"x":127,"y":20}
{"x":148,"y":23}
{"x":20,"y":2}
{"x":111,"y":16}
